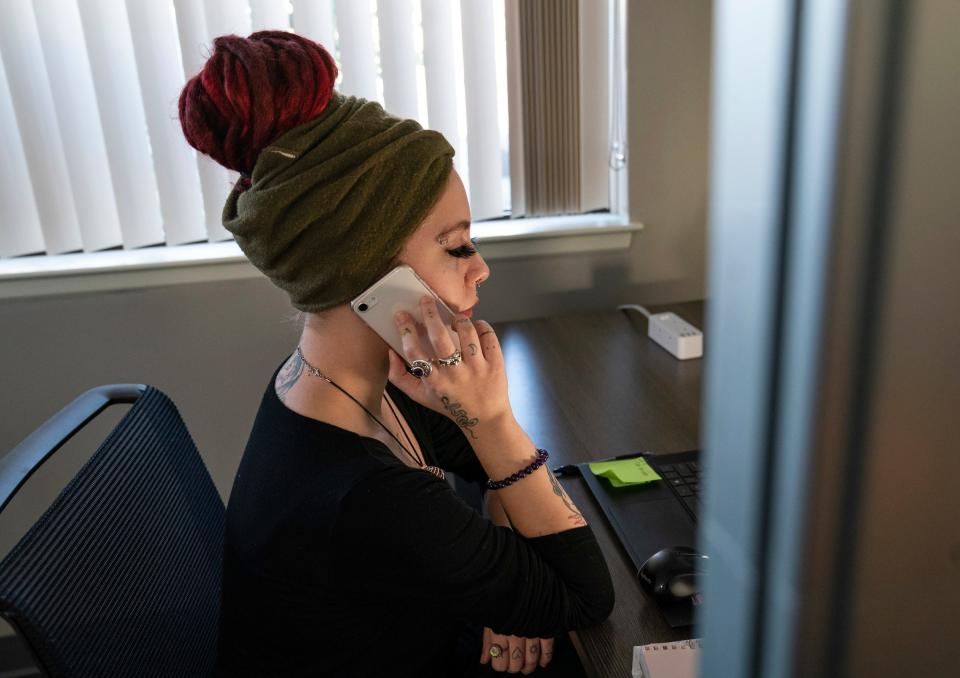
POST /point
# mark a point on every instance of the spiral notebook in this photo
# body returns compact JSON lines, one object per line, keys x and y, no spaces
{"x":667,"y":660}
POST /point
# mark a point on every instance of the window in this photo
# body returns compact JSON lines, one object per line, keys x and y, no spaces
{"x":94,"y":156}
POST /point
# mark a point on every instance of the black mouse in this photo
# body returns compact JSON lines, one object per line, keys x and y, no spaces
{"x":672,"y":572}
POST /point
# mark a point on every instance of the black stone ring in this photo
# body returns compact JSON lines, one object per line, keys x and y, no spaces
{"x":421,"y":369}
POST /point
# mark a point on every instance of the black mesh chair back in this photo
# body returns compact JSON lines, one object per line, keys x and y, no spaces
{"x":121,"y":575}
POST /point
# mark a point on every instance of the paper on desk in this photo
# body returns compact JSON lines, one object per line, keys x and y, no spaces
{"x":623,"y":472}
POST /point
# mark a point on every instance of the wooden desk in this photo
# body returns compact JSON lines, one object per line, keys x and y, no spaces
{"x":588,"y":386}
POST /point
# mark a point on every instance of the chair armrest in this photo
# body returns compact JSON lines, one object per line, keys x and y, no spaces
{"x":19,"y":463}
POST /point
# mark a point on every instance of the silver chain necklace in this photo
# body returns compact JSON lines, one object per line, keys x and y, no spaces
{"x":420,"y":463}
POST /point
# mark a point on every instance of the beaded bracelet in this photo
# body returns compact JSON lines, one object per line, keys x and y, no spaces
{"x":522,"y":473}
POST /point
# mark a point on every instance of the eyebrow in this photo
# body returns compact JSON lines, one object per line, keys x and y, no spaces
{"x":459,"y":226}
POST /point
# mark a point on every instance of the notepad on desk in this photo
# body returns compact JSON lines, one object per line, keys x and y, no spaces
{"x":667,"y":660}
{"x":624,"y":472}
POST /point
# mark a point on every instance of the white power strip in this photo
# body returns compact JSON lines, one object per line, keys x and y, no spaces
{"x":676,"y":335}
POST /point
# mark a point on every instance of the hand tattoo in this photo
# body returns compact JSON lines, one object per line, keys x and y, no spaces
{"x":534,"y":649}
{"x":473,"y":349}
{"x":405,"y":331}
{"x":461,"y":416}
{"x":517,"y":654}
{"x":289,"y":373}
{"x":558,"y":490}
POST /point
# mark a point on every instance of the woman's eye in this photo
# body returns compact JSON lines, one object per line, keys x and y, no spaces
{"x":464,"y":251}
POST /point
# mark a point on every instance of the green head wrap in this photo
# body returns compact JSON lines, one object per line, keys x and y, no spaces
{"x":332,"y":201}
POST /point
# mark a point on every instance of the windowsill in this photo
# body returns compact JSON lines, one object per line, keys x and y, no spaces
{"x":206,"y":262}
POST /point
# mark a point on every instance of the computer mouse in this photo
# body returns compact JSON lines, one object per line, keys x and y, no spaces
{"x":672,"y":572}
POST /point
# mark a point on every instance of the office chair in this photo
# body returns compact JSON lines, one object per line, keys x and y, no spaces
{"x":121,"y":575}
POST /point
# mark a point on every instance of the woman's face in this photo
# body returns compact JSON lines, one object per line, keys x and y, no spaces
{"x":441,"y":253}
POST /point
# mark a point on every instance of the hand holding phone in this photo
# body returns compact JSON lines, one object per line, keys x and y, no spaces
{"x":400,"y":290}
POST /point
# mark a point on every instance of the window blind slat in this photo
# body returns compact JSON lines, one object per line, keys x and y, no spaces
{"x":154,"y":33}
{"x":78,"y":118}
{"x":357,"y":52}
{"x":440,"y":73}
{"x":269,"y":15}
{"x":480,"y":90}
{"x":224,"y":17}
{"x":215,"y":181}
{"x":19,"y":220}
{"x":398,"y":59}
{"x":32,"y":102}
{"x":594,"y":97}
{"x":537,"y":153}
{"x":123,"y":121}
{"x":515,"y":105}
{"x":314,"y":19}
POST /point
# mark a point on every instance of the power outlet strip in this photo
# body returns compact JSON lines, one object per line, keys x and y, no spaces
{"x":679,"y":337}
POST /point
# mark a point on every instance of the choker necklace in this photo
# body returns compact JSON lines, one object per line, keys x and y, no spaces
{"x":419,"y":462}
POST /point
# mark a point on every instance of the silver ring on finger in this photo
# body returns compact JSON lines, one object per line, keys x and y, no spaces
{"x":452,"y":360}
{"x":421,"y":369}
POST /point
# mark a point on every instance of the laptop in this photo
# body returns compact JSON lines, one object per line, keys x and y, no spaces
{"x":656,"y":515}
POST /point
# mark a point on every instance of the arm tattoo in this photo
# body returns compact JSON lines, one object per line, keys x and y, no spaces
{"x":291,"y":371}
{"x":575,"y":515}
{"x":461,"y":415}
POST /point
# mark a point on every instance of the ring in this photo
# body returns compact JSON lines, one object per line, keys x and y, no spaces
{"x":421,"y":369}
{"x":496,"y":651}
{"x":452,"y":360}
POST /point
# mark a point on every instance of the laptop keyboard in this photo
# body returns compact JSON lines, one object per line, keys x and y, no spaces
{"x":684,"y":479}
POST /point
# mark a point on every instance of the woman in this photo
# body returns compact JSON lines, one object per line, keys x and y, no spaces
{"x":345,"y":553}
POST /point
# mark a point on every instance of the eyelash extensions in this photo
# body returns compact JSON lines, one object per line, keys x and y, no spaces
{"x":464,"y":251}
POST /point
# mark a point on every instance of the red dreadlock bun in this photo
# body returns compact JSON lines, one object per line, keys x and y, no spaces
{"x":251,"y":91}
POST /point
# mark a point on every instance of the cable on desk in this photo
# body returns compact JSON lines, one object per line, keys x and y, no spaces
{"x":634,"y":307}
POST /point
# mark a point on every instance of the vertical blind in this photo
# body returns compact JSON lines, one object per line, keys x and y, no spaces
{"x":92,"y":153}
{"x":560,"y":125}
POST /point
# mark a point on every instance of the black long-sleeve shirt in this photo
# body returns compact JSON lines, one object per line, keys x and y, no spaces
{"x":340,"y":560}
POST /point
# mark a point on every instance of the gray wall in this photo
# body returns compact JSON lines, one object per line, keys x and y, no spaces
{"x":212,"y":346}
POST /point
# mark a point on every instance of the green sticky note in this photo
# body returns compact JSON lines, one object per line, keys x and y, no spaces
{"x":625,"y":472}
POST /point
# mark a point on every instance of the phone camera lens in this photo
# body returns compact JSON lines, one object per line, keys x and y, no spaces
{"x":362,"y":307}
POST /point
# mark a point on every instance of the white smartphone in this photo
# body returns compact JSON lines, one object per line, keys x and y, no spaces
{"x":400,"y":289}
